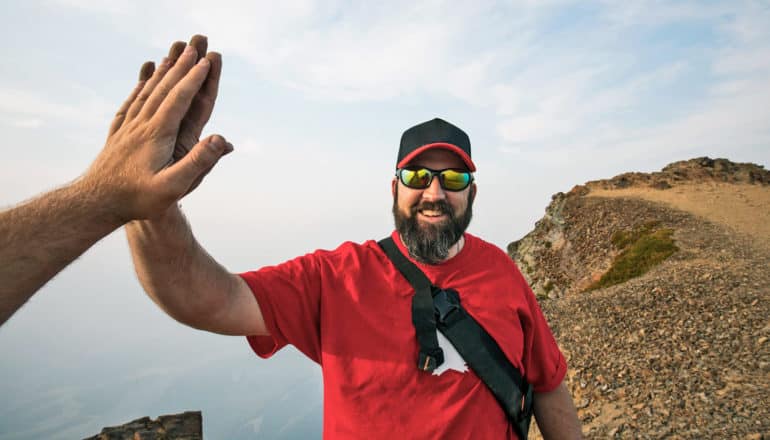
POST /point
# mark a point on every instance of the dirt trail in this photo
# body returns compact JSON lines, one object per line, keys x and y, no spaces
{"x":743,"y":208}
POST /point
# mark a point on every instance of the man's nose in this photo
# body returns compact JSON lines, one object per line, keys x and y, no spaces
{"x":434,"y":191}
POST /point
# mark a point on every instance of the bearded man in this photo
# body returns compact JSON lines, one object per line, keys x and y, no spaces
{"x":350,"y":309}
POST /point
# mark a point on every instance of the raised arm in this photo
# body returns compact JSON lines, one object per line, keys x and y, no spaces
{"x":175,"y":271}
{"x":133,"y":177}
{"x":186,"y":282}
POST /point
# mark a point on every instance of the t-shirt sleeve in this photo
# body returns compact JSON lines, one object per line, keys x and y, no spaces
{"x":544,"y":363}
{"x":289,"y":297}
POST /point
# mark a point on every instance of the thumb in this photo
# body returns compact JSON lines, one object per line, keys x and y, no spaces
{"x":179,"y":177}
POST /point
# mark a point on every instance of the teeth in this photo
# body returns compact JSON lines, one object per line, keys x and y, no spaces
{"x":431,"y":213}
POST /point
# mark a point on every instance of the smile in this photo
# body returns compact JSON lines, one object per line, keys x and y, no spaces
{"x":430,"y":213}
{"x":431,"y":216}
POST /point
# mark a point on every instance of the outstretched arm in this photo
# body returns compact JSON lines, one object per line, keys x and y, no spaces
{"x":556,"y":415}
{"x":186,"y":282}
{"x":133,"y":177}
{"x":40,"y":237}
{"x":175,"y":271}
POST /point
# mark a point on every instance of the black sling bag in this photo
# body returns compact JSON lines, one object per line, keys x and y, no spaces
{"x":435,"y":308}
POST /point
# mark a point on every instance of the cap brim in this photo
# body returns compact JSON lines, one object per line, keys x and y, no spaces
{"x":442,"y":145}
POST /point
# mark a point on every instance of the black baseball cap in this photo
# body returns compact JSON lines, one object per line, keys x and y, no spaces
{"x":436,"y":133}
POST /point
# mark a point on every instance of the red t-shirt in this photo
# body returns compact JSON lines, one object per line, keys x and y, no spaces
{"x":350,"y":310}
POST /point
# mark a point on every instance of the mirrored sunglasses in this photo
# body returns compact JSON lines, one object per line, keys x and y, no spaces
{"x":450,"y":179}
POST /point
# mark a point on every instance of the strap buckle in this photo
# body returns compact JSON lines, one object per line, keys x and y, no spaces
{"x":525,"y":410}
{"x":430,"y":361}
{"x":447,"y":305}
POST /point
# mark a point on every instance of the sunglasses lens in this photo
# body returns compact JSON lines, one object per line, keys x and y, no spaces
{"x":419,"y":178}
{"x":454,"y":180}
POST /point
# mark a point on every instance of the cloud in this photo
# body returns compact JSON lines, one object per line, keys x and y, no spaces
{"x":334,"y":49}
{"x":343,"y":51}
{"x":25,"y":123}
{"x":27,"y":108}
{"x":112,"y":8}
{"x":28,"y":103}
{"x":609,"y":101}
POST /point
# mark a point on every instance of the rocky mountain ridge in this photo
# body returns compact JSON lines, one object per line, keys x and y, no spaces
{"x":681,"y":351}
{"x":701,"y":169}
{"x":568,"y":248}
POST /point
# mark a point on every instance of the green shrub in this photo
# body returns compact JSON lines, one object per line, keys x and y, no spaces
{"x":621,"y":239}
{"x":641,"y":249}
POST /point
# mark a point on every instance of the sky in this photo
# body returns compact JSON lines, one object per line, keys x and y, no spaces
{"x":551,"y":93}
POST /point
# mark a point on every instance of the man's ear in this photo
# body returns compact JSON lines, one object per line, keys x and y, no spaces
{"x":393,"y":184}
{"x":473,"y":192}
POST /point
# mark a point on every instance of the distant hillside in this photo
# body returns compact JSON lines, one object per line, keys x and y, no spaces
{"x":658,"y":289}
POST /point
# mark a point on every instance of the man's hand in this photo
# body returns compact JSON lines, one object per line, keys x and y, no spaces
{"x":151,"y":159}
{"x":152,"y":156}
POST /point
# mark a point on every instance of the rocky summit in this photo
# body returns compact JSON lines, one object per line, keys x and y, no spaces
{"x":657,"y":287}
{"x":184,"y":426}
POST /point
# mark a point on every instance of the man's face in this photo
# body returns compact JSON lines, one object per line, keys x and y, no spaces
{"x":432,"y":220}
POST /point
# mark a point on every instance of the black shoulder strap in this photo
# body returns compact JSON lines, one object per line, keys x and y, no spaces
{"x":423,"y":318}
{"x":474,"y":344}
{"x":486,"y":359}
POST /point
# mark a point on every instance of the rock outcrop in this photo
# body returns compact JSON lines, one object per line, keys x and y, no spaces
{"x":184,"y":426}
{"x":702,"y":169}
{"x":570,"y":247}
{"x":681,"y":351}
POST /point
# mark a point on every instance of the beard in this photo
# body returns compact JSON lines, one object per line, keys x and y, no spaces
{"x":430,"y":243}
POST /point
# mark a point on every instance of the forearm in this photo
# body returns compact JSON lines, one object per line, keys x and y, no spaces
{"x":556,"y":414}
{"x":176,"y":272}
{"x":40,"y":237}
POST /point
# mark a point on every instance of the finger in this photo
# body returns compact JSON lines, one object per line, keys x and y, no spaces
{"x":185,"y":141}
{"x":177,"y":102}
{"x":176,"y":50}
{"x":203,"y":103}
{"x":149,"y":86}
{"x":179,"y":177}
{"x":201,"y":45}
{"x":211,"y":86}
{"x":182,"y":66}
{"x":208,"y":96}
{"x":145,"y":72}
{"x":200,"y":178}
